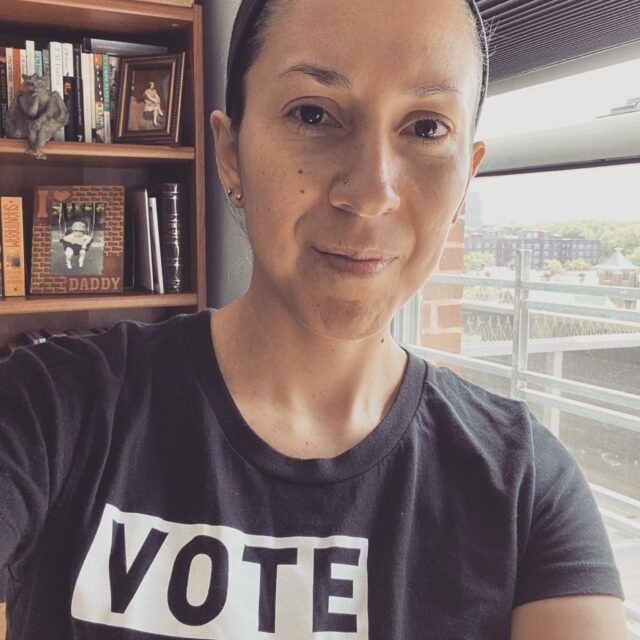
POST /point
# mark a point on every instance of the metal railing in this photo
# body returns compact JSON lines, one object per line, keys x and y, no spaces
{"x":619,"y":512}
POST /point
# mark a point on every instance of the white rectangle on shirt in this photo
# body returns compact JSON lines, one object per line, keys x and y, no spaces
{"x":148,"y":610}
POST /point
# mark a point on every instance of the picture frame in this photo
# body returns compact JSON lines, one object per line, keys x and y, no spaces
{"x":78,"y":240}
{"x":150,"y":99}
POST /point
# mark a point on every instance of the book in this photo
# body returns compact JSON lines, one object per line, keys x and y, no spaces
{"x":30,"y":57}
{"x":119,"y":48}
{"x":9,"y":66}
{"x":19,"y":67}
{"x":20,"y":71}
{"x":39,"y":67}
{"x":12,"y":246}
{"x":99,"y":96}
{"x":1,"y":261}
{"x":78,"y":93}
{"x":69,"y":97}
{"x":114,"y":68}
{"x":77,"y":245}
{"x":144,"y":261}
{"x":106,"y":98}
{"x":158,"y":279}
{"x":46,"y":67}
{"x":86,"y":71}
{"x":67,"y":59}
{"x":4,"y":98}
{"x":57,"y":82}
{"x":174,"y":239}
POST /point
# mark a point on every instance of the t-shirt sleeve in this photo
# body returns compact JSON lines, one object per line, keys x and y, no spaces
{"x":42,"y":393}
{"x":567,"y":551}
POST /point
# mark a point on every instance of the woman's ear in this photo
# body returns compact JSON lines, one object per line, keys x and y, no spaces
{"x":226,"y":144}
{"x":477,"y":156}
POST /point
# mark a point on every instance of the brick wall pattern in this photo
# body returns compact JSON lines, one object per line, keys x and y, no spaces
{"x":442,"y":303}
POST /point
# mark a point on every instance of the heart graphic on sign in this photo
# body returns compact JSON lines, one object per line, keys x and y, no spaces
{"x":61,"y":196}
{"x":41,"y":206}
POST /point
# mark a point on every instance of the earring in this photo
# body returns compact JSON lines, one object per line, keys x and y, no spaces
{"x":230,"y":192}
{"x":238,"y":196}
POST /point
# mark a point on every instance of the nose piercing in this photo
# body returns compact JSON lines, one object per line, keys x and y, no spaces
{"x":230,"y":192}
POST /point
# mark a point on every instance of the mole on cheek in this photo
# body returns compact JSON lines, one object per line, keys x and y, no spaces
{"x":303,"y":192}
{"x":300,"y":172}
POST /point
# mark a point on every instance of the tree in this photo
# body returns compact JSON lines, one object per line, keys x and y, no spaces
{"x":477,"y":261}
{"x":634,"y":256}
{"x":579,"y":264}
{"x":554,"y":267}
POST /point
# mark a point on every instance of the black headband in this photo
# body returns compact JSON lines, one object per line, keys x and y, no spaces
{"x":249,"y":12}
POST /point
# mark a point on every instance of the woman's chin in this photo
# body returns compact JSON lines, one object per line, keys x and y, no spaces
{"x":348,"y":319}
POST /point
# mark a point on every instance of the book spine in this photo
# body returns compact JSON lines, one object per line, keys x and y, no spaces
{"x":46,"y":67}
{"x":69,"y":84}
{"x":106,"y":98}
{"x":114,"y":67}
{"x":4,"y":103}
{"x":19,"y":67}
{"x":67,"y":59}
{"x":1,"y":264}
{"x":30,"y":57}
{"x":99,"y":96}
{"x":10,"y":84}
{"x":78,"y":108}
{"x":12,"y":246}
{"x":86,"y":65}
{"x":154,"y":227}
{"x":57,"y":83}
{"x":174,"y":239}
{"x":38,"y":63}
{"x":79,"y":93}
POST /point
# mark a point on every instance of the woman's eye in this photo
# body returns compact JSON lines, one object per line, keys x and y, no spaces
{"x":430,"y":129}
{"x":310,"y":116}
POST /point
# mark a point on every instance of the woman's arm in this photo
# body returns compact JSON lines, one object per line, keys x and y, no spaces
{"x":570,"y":618}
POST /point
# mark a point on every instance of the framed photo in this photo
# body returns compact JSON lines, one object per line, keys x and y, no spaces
{"x":78,"y":239}
{"x":150,"y":99}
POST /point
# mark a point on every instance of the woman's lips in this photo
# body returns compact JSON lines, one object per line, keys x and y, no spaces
{"x":357,"y":263}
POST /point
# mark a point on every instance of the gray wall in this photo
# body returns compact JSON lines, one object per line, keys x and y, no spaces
{"x":228,"y":266}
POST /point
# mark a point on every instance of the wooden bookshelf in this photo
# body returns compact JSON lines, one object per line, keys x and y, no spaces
{"x":95,"y":155}
{"x":132,"y":165}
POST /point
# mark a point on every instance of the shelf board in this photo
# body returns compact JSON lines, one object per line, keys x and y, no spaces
{"x":66,"y":303}
{"x":93,"y":154}
{"x":117,"y":16}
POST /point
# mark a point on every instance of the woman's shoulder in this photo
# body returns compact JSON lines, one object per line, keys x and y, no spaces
{"x":495,"y":425}
{"x":127,"y":344}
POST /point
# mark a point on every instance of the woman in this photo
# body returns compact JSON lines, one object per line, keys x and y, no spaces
{"x":282,"y":468}
{"x":152,"y":104}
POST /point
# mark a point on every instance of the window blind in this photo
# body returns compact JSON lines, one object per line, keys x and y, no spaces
{"x":532,"y":34}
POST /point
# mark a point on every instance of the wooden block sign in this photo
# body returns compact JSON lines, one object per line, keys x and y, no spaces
{"x":78,"y":240}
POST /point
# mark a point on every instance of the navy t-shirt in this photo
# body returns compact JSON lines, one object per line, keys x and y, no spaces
{"x":136,"y":503}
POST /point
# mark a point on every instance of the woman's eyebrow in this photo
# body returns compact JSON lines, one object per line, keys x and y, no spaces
{"x":326,"y":77}
{"x":331,"y":78}
{"x":424,"y":91}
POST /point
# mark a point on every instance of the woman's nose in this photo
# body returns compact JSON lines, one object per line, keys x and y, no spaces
{"x":369,"y":186}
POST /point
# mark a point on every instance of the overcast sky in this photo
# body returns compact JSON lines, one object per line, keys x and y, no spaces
{"x":611,"y":193}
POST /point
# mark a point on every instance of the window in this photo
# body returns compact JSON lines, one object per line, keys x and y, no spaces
{"x":578,"y":362}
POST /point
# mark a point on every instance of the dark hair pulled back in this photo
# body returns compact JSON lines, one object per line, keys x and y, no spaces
{"x":248,"y":37}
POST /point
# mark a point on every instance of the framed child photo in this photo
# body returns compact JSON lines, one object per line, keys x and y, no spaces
{"x":78,"y":240}
{"x":150,"y":99}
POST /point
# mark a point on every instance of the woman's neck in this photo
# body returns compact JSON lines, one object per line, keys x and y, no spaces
{"x":307,"y":395}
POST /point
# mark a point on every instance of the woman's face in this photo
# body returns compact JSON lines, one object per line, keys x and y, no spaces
{"x":354,"y":155}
